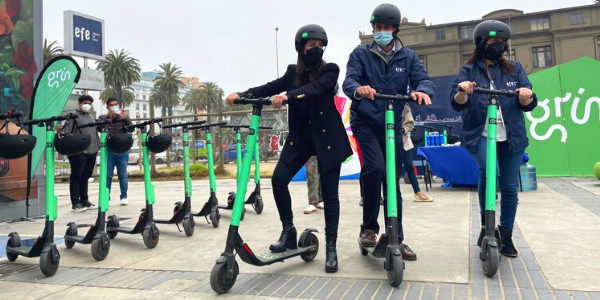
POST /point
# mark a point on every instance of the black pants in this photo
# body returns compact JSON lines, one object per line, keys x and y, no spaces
{"x":82,"y":166}
{"x":372,"y":145}
{"x":330,"y":180}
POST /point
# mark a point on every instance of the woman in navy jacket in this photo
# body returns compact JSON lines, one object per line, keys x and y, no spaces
{"x":316,"y":128}
{"x":488,"y":67}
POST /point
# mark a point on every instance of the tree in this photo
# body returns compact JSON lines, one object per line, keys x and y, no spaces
{"x":51,"y":51}
{"x":121,"y":71}
{"x":194,"y":101}
{"x":168,"y":82}
{"x":212,"y":95}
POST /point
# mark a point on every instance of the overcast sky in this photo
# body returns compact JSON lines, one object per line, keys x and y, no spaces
{"x":233,"y":42}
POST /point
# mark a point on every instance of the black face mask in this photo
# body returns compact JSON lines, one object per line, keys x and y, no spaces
{"x":313,"y":56}
{"x":495,"y":50}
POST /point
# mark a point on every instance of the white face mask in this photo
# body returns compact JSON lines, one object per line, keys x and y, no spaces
{"x":116,"y":109}
{"x":86,"y":107}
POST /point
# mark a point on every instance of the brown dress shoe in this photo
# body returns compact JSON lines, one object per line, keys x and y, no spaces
{"x":407,"y":253}
{"x":368,"y":238}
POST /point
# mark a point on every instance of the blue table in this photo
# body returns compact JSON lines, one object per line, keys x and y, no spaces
{"x":452,"y":163}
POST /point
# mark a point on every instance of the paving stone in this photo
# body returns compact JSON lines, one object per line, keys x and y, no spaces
{"x":478,"y":291}
{"x":262,"y":285}
{"x":161,"y":280}
{"x":290,"y":284}
{"x":414,"y":291}
{"x":314,"y":287}
{"x":594,"y":295}
{"x":522,"y":279}
{"x":340,"y":289}
{"x":384,"y":291}
{"x":579,"y":295}
{"x":275,"y":286}
{"x":511,"y":293}
{"x":527,"y":294}
{"x":562,"y":295}
{"x":250,"y":284}
{"x":545,"y":294}
{"x":355,"y":289}
{"x":539,"y":282}
{"x":461,"y":292}
{"x":445,"y":292}
{"x":299,"y":289}
{"x":494,"y":292}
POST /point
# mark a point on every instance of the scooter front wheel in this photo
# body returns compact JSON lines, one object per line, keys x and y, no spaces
{"x":258,"y":204}
{"x":214,"y":217}
{"x":98,"y":252}
{"x":151,"y":236}
{"x":491,"y":262}
{"x":218,"y":277}
{"x":188,"y":225}
{"x":396,"y":272}
{"x":47,"y":265}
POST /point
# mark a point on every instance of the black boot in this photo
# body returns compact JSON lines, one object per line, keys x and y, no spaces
{"x":331,"y":263}
{"x":508,"y":249}
{"x":287,"y":239}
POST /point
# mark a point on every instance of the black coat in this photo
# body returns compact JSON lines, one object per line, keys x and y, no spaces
{"x":327,"y":128}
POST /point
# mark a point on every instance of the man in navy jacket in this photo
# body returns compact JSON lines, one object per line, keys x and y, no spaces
{"x":385,"y":67}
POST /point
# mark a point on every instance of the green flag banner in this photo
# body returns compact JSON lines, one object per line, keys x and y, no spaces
{"x":50,"y":95}
{"x":563,"y":129}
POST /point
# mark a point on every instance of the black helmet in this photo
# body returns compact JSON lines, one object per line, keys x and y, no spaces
{"x":16,"y":145}
{"x":69,"y":144}
{"x":119,"y":143}
{"x":386,"y":14}
{"x":490,"y":28}
{"x":159,"y":143}
{"x":307,"y":32}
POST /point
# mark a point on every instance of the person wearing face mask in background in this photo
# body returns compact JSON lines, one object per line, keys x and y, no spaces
{"x":316,"y":128}
{"x":488,"y":67}
{"x":118,"y":160}
{"x":82,"y":164}
{"x":386,"y":67}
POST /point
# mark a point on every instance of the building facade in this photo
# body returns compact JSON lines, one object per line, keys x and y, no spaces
{"x":539,"y":39}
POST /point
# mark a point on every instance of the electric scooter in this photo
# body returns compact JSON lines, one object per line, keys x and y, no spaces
{"x":211,"y":207}
{"x":44,"y":246}
{"x":489,"y":237}
{"x":225,"y":271}
{"x":96,"y":235}
{"x":145,"y":224}
{"x":182,"y":211}
{"x":255,"y":199}
{"x":387,"y":246}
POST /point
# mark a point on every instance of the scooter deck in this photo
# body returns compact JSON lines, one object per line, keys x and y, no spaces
{"x":267,"y":258}
{"x":379,"y":250}
{"x":225,"y":206}
{"x":81,"y":239}
{"x":23,"y":250}
{"x":122,"y":229}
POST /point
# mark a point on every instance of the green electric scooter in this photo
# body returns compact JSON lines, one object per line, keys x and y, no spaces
{"x":387,"y":246}
{"x":96,"y":235}
{"x":489,"y":237}
{"x":225,"y":271}
{"x":145,"y":224}
{"x":255,"y":199}
{"x":210,"y":207}
{"x":182,"y":211}
{"x":44,"y":246}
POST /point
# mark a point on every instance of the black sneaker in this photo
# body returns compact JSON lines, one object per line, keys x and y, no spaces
{"x":88,"y":205}
{"x":78,"y":208}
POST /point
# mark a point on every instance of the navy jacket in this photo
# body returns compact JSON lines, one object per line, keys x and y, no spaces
{"x":326,"y":126}
{"x":474,"y":112}
{"x":367,"y":67}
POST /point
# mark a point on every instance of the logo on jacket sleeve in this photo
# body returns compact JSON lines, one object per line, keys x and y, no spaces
{"x":511,"y":84}
{"x":400,"y":70}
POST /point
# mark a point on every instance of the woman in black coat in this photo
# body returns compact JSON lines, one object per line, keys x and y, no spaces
{"x":316,"y":128}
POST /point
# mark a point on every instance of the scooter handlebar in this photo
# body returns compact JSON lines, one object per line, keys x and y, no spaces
{"x":11,"y":114}
{"x":103,"y":122}
{"x":140,"y":125}
{"x":263,"y":101}
{"x":485,"y":91}
{"x":208,"y":125}
{"x":405,"y":98}
{"x":185,"y":124}
{"x":426,"y":127}
{"x":51,"y":119}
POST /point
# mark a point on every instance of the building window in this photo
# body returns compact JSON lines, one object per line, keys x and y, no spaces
{"x":465,"y":58}
{"x":440,"y":35}
{"x":542,"y":56}
{"x":466,"y":32}
{"x":540,"y":24}
{"x":512,"y":56}
{"x":423,"y":61}
{"x":145,"y":116}
{"x":577,"y":18}
{"x":137,"y":106}
{"x":144,"y":106}
{"x":144,"y":97}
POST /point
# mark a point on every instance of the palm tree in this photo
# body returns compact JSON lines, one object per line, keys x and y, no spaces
{"x":194,"y":101}
{"x":168,"y":82}
{"x":158,"y":98}
{"x":110,"y":92}
{"x":51,"y":50}
{"x":212,"y":96}
{"x":121,"y":71}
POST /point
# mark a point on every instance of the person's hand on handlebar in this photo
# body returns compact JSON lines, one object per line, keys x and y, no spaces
{"x":366,"y":91}
{"x":421,"y":97}
{"x":525,"y":95}
{"x":231,"y":98}
{"x":277,"y":101}
{"x":467,"y":87}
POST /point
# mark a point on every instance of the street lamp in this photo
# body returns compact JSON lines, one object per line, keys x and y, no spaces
{"x":277,"y":50}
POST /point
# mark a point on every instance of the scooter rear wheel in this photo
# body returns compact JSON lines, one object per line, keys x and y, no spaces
{"x":258,"y":204}
{"x":188,"y":225}
{"x":491,"y":262}
{"x":363,"y":251}
{"x":47,"y":266}
{"x":396,"y":272}
{"x":311,"y":240}
{"x":214,"y":217}
{"x":71,"y":231}
{"x":98,"y":253}
{"x":218,"y":277}
{"x":13,"y":241}
{"x":113,"y":221}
